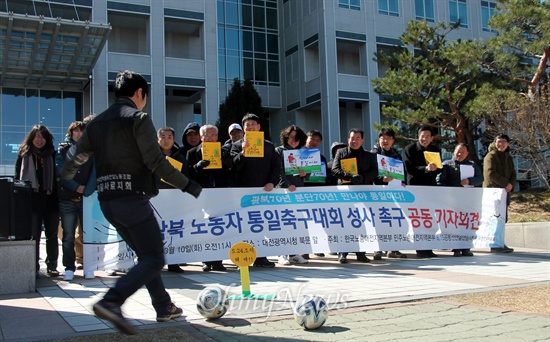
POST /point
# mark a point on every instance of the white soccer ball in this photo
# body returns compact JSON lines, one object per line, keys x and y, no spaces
{"x":212,"y":303}
{"x":311,"y":312}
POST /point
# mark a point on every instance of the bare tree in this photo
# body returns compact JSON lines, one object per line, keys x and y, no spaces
{"x":526,"y":119}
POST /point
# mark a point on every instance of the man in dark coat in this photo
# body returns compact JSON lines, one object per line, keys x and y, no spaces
{"x":418,"y":173}
{"x":367,"y":171}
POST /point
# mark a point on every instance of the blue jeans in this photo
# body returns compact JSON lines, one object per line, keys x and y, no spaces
{"x":51,"y":224}
{"x":135,"y":222}
{"x":70,"y":213}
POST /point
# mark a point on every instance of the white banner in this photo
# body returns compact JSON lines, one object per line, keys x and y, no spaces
{"x":309,"y":220}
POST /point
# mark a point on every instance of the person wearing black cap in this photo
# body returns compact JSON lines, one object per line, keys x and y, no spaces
{"x":190,"y":137}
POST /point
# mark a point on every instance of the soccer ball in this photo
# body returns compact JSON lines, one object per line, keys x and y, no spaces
{"x":311,"y":312}
{"x":212,"y":303}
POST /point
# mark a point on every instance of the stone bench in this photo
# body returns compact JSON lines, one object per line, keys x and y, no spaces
{"x":17,"y":263}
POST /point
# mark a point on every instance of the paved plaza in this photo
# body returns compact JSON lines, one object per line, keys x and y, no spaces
{"x":368,"y":301}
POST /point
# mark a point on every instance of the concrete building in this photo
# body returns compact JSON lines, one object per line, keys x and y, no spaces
{"x":311,"y":61}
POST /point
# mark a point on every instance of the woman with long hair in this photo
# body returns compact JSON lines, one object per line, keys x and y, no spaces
{"x":36,"y":163}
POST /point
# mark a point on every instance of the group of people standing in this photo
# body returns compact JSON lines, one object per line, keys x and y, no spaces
{"x":120,"y":154}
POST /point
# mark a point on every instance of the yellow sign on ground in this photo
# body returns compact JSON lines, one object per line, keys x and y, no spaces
{"x":242,"y":254}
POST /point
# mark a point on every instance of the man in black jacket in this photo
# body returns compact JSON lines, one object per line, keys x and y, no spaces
{"x":123,"y":141}
{"x":367,"y":171}
{"x":418,"y":173}
{"x":264,"y":172}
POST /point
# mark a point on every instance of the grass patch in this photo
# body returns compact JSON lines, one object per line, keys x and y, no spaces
{"x":532,"y":205}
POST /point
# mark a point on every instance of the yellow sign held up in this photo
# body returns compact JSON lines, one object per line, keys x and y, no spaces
{"x":350,"y":166}
{"x":256,"y":144}
{"x":433,"y":157}
{"x":212,"y":151}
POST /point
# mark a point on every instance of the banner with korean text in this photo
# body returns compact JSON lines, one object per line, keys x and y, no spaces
{"x":308,"y":220}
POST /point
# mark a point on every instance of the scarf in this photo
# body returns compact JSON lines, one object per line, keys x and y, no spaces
{"x":31,"y":163}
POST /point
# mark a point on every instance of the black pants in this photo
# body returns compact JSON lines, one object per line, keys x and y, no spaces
{"x":135,"y":222}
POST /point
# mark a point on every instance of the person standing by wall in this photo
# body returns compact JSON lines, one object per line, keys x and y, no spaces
{"x":499,"y":172}
{"x":123,"y":142}
{"x":36,"y":163}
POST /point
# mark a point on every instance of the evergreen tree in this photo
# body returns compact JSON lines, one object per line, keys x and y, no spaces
{"x":433,"y":83}
{"x":242,"y":99}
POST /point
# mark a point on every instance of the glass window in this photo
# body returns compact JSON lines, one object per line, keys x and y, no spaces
{"x":247,"y":15}
{"x":232,"y":39}
{"x":31,"y":104}
{"x":248,"y":68}
{"x":487,"y":11}
{"x":51,"y":110}
{"x":350,"y":4}
{"x":260,"y":70}
{"x":458,"y":11}
{"x":259,"y":17}
{"x":221,"y":12}
{"x":233,"y":70}
{"x":247,"y":41}
{"x":273,"y":70}
{"x":271,"y":15}
{"x":259,"y":42}
{"x":231,"y":14}
{"x":424,"y":10}
{"x":388,"y":7}
{"x":13,"y":108}
{"x":272,"y":43}
{"x":221,"y":67}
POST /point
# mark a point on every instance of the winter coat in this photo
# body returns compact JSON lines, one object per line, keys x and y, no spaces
{"x":450,"y":173}
{"x":366,"y":165}
{"x":415,"y":164}
{"x":499,"y":169}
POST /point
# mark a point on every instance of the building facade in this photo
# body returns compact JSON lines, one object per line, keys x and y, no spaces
{"x":311,"y":61}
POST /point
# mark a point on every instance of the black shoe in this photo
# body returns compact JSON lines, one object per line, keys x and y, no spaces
{"x":422,"y":255}
{"x":305,"y":256}
{"x":508,"y":249}
{"x":320,"y":254}
{"x":362,"y":258}
{"x":174,"y":312}
{"x":467,"y":252}
{"x":219,"y":267}
{"x":397,"y":255}
{"x":206,"y":268}
{"x":377,"y":256}
{"x":342,"y":259}
{"x":112,"y":313}
{"x":175,"y":268}
{"x":264,"y":263}
{"x":52,"y":273}
{"x":457,"y":252}
{"x":431,"y":254}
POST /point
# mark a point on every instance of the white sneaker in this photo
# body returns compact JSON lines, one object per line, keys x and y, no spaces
{"x":69,"y":275}
{"x":299,"y":259}
{"x":283,"y":260}
{"x":110,"y":272}
{"x":89,"y":275}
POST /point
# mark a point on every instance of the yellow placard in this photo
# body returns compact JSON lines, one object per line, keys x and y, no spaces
{"x":255,"y":142}
{"x":433,"y":157}
{"x":212,"y":151}
{"x":242,"y":254}
{"x":176,"y":164}
{"x":350,"y":166}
